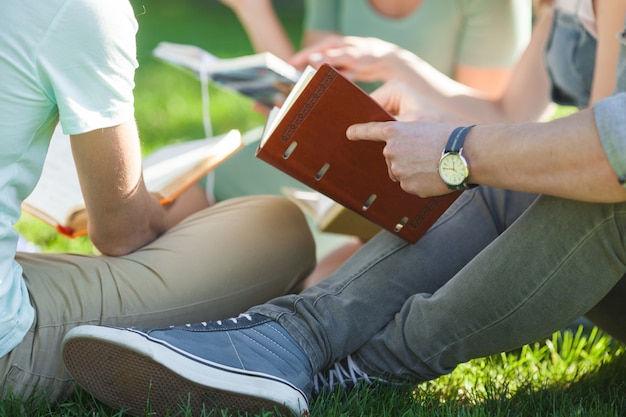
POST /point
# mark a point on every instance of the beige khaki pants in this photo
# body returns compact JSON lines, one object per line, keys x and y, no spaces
{"x":215,"y":264}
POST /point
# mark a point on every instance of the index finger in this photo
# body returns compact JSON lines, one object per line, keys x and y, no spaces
{"x":367,"y":131}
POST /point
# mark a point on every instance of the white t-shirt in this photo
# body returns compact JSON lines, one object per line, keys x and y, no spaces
{"x":71,"y":61}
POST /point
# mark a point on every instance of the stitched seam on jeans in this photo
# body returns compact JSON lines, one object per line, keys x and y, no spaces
{"x":448,"y":214}
{"x":532,"y":296}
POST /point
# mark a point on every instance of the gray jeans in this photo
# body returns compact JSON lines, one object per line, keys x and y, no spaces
{"x":499,"y":270}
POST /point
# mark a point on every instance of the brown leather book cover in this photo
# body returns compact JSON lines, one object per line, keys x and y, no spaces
{"x":307,"y":140}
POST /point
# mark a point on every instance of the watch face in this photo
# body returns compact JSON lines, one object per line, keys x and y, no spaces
{"x":453,"y":169}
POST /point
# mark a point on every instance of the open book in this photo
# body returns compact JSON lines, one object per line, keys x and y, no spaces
{"x":263,"y":77}
{"x":330,"y":216}
{"x":57,"y":198}
{"x":306,"y":138}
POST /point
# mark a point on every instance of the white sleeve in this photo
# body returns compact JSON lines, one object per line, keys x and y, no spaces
{"x":88,"y":62}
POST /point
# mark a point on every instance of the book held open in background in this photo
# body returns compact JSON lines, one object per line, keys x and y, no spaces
{"x":306,"y":138}
{"x":57,"y":198}
{"x":263,"y":77}
{"x":331,"y":217}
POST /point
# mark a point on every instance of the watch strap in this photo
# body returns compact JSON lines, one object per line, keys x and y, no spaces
{"x":457,"y":138}
{"x":455,"y":145}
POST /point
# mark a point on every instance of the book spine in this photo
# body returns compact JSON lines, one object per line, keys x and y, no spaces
{"x":274,"y":151}
{"x":310,"y":145}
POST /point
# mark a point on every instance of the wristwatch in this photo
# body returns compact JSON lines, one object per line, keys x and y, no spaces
{"x":453,"y":168}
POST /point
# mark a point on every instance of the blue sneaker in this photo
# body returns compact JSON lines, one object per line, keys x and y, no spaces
{"x":246,"y":364}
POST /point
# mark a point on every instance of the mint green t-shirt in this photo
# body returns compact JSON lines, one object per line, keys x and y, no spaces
{"x":71,"y":61}
{"x":444,"y":33}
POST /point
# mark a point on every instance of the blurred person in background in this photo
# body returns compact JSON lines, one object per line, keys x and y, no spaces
{"x":471,"y":43}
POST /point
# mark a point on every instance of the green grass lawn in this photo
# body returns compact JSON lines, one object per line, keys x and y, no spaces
{"x":570,"y":374}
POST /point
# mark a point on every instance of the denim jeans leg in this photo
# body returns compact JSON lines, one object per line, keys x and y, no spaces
{"x":570,"y":58}
{"x":610,"y":313}
{"x":339,"y":315}
{"x":551,"y":266}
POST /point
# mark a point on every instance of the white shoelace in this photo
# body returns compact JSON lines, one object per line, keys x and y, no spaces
{"x":339,"y":374}
{"x":220,"y":322}
{"x":236,"y":319}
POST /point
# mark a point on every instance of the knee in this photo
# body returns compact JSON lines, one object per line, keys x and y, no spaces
{"x":282,"y":221}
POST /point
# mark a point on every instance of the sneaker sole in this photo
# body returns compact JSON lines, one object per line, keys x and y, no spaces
{"x":125,"y":370}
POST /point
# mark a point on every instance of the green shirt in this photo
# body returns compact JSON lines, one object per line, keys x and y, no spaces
{"x":444,"y":33}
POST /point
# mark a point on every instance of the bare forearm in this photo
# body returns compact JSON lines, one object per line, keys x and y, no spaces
{"x":123,"y":216}
{"x":191,"y":201}
{"x":263,"y":27}
{"x":467,"y":104}
{"x":460,"y":101}
{"x":124,"y":228}
{"x":563,"y":158}
{"x":525,"y":98}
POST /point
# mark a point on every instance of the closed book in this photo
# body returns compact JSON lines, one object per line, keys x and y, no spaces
{"x":306,"y":138}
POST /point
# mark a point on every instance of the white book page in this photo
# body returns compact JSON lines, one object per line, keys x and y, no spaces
{"x":164,"y":164}
{"x":188,"y":56}
{"x":163,"y":168}
{"x":57,"y":194}
{"x":277,"y":113}
{"x":252,"y":66}
{"x":199,"y":60}
{"x":314,"y":203}
{"x":263,"y":77}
